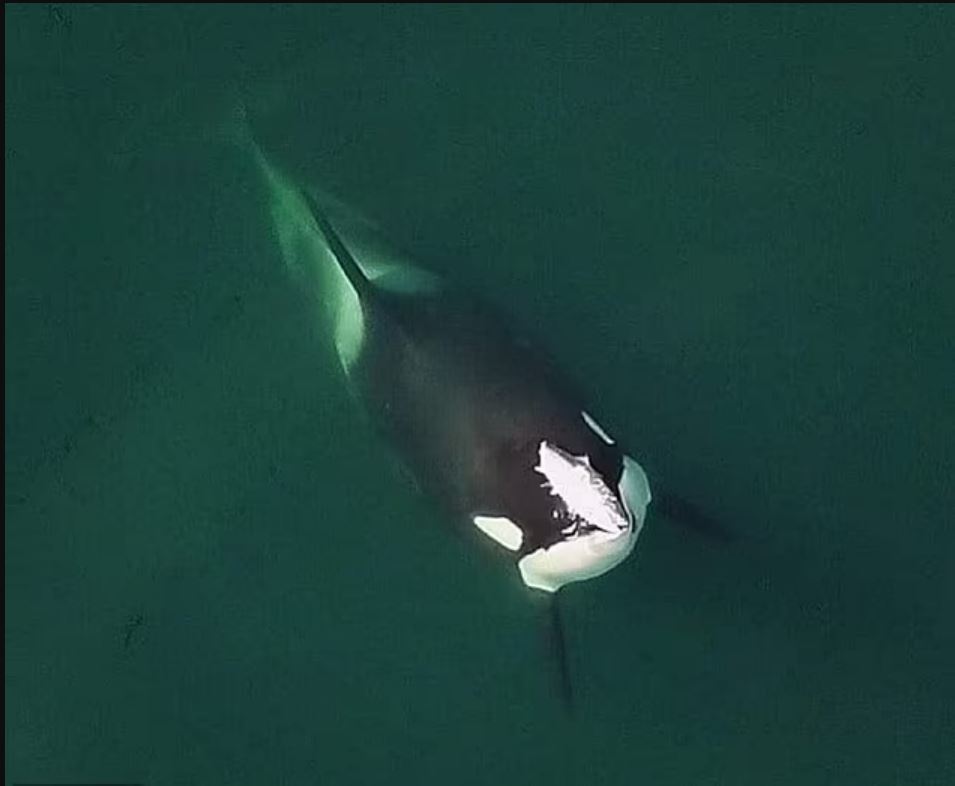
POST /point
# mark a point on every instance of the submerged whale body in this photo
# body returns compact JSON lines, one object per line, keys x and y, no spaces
{"x":484,"y":420}
{"x":489,"y":426}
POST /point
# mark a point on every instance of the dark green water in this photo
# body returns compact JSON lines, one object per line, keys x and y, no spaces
{"x":735,"y":224}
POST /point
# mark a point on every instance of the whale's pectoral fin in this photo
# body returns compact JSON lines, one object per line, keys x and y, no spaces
{"x":557,"y":647}
{"x":682,"y":511}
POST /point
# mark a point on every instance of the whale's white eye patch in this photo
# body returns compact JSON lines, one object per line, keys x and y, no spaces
{"x":581,"y":488}
{"x":595,"y":427}
{"x":635,"y":490}
{"x":501,"y":529}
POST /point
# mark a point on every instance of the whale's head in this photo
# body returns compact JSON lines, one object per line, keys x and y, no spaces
{"x":578,"y":509}
{"x":599,"y":515}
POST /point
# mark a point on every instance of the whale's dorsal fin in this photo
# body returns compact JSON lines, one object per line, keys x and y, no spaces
{"x":350,"y":267}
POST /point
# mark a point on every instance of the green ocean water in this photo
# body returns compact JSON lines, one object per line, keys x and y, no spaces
{"x":732,"y":224}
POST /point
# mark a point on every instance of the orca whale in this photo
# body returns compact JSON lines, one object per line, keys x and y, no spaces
{"x":484,"y":419}
{"x":489,"y":426}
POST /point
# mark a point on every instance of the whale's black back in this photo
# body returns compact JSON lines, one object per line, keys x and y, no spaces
{"x":467,"y":400}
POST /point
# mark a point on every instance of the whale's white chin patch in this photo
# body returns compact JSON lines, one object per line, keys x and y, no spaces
{"x":595,"y":551}
{"x":579,"y":558}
